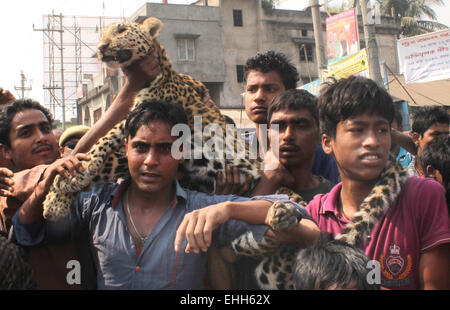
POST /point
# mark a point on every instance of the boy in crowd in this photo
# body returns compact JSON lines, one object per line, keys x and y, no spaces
{"x":134,"y":226}
{"x":266,"y":76}
{"x":293,"y":120}
{"x":332,"y":265}
{"x":428,"y":123}
{"x":401,"y":222}
{"x":436,"y":162}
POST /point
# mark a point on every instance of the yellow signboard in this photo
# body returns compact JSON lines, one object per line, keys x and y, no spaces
{"x":349,"y":66}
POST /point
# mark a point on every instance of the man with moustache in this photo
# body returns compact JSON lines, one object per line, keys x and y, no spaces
{"x":293,"y":120}
{"x":32,"y":150}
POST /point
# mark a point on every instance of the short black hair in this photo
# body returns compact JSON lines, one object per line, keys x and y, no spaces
{"x":437,"y":155}
{"x":294,"y":99}
{"x":154,"y":110}
{"x":17,"y":106}
{"x":398,"y":117}
{"x":425,"y":117}
{"x":331,"y":264}
{"x":343,"y":99}
{"x":273,"y":61}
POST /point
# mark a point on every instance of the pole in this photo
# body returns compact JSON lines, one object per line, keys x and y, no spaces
{"x":322,"y":61}
{"x":371,"y":45}
{"x":62,"y":72}
{"x":22,"y":87}
{"x":22,"y":81}
{"x":259,"y":29}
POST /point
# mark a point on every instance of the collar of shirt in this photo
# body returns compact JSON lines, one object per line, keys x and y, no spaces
{"x":331,"y":203}
{"x":118,"y":191}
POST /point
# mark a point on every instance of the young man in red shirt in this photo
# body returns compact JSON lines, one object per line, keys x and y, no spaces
{"x":400,"y":222}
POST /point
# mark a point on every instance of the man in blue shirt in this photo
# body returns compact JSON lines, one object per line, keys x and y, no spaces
{"x":133,"y":225}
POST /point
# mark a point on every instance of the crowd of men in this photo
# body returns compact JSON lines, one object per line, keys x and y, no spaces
{"x":147,"y":232}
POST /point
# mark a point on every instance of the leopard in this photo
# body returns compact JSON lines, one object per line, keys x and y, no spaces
{"x":275,"y":270}
{"x":121,"y":45}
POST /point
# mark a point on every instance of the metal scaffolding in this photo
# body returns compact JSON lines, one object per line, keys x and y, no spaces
{"x":70,"y":44}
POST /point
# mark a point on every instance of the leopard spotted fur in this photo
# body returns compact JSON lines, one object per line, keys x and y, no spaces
{"x":277,"y":265}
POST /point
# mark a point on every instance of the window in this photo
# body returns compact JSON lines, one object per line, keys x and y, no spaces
{"x":186,"y":49}
{"x":97,"y":115}
{"x":304,"y":33}
{"x":306,"y":52}
{"x":237,"y":18}
{"x":240,"y":73}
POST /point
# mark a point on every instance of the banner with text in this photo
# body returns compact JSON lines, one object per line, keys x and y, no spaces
{"x":426,"y":57}
{"x":349,"y":66}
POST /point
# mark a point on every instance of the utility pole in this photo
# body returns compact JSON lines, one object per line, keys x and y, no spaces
{"x":22,"y":88}
{"x":60,"y":47}
{"x":371,"y":44}
{"x":259,"y":28}
{"x":62,"y":72}
{"x":322,"y":62}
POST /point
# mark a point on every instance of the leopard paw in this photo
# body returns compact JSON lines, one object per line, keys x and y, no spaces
{"x":282,"y":215}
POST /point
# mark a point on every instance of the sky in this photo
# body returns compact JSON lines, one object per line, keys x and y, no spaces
{"x":21,"y":48}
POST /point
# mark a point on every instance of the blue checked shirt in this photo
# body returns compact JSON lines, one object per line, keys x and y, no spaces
{"x":158,"y":266}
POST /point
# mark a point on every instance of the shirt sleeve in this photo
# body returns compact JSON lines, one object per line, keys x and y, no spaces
{"x":313,"y":208}
{"x":432,"y":215}
{"x":67,"y":228}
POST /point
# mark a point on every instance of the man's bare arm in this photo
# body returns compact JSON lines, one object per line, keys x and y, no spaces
{"x":434,"y":268}
{"x":31,"y":210}
{"x":404,"y":140}
{"x":137,"y":76}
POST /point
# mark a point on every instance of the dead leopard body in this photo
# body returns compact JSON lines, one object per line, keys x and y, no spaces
{"x":121,"y":45}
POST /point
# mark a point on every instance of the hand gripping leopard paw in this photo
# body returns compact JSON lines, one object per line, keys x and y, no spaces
{"x":282,"y":215}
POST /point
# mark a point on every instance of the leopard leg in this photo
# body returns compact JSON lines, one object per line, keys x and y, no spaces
{"x":57,"y":205}
{"x":58,"y":201}
{"x":279,"y":216}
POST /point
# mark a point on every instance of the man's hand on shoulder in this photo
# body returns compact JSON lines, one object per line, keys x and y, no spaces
{"x":274,"y":176}
{"x":232,"y":184}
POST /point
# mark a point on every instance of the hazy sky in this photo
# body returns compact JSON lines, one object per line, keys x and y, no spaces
{"x":21,"y":47}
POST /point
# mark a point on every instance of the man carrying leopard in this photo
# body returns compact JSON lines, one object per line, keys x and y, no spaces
{"x":122,"y":45}
{"x":138,"y":226}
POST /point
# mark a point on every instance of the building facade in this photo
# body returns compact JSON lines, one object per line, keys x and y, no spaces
{"x":211,"y":40}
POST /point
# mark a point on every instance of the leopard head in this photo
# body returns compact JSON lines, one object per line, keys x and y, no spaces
{"x":124,"y":43}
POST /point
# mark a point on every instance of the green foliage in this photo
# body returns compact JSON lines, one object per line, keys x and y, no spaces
{"x":269,"y":5}
{"x":409,"y":14}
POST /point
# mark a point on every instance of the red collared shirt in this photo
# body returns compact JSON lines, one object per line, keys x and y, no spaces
{"x":416,"y":223}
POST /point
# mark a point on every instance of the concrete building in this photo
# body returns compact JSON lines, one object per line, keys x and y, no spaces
{"x":213,"y":42}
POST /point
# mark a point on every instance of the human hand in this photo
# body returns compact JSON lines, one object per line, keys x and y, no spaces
{"x":275,"y":172}
{"x":232,"y":183}
{"x":140,"y":73}
{"x":70,"y":164}
{"x":198,"y":226}
{"x":6,"y":182}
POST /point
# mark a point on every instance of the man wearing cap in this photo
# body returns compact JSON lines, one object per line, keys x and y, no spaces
{"x":70,"y":138}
